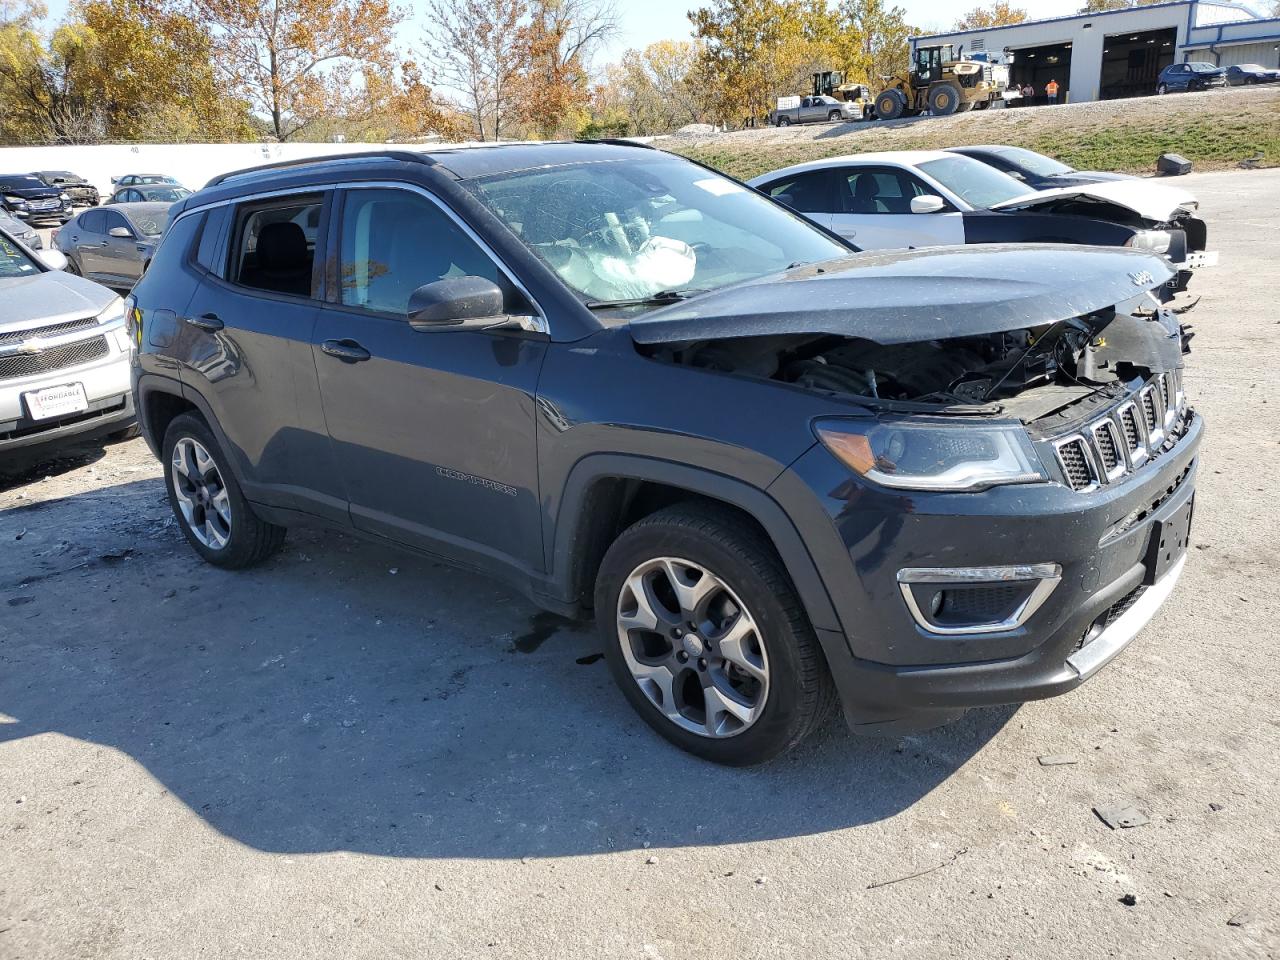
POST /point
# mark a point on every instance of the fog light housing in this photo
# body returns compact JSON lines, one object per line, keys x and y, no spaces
{"x":965,"y":600}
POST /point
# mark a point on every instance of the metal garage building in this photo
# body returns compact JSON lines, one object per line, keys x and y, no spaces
{"x":1119,"y":53}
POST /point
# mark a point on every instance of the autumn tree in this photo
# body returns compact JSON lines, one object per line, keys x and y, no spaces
{"x":876,"y":44}
{"x":756,"y":50}
{"x":998,"y":14}
{"x":479,"y":50}
{"x":661,"y":87}
{"x":1098,"y":6}
{"x":296,"y":62}
{"x":560,"y":40}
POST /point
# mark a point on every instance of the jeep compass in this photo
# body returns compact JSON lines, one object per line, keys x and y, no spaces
{"x":779,"y":473}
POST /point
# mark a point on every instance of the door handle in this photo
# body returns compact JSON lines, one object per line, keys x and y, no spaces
{"x":348,"y":351}
{"x":206,"y":321}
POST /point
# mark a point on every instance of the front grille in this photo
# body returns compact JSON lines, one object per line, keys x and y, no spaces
{"x":1120,"y":442}
{"x":1112,"y":614}
{"x":979,"y":605}
{"x":57,"y":358}
{"x":13,"y":336}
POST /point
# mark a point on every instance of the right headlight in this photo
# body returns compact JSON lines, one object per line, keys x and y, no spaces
{"x":1157,"y":241}
{"x":945,"y":456}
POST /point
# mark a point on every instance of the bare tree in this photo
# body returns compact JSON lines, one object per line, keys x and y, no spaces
{"x":478,"y":50}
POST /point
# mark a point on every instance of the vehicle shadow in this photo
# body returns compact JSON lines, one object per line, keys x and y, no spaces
{"x":25,"y":465}
{"x":851,"y":128}
{"x":347,"y":697}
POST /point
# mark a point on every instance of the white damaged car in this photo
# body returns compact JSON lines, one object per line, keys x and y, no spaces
{"x":926,"y":198}
{"x":64,"y":352}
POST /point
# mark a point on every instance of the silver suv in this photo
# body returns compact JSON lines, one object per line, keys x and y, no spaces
{"x":64,"y":352}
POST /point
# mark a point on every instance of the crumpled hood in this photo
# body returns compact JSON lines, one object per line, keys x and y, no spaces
{"x":1155,"y":201}
{"x":49,"y":297}
{"x":902,"y":296}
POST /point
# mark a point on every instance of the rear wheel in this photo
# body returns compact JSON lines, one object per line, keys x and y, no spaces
{"x":212,"y":512}
{"x":944,"y":99}
{"x":784,"y":121}
{"x":1162,"y":90}
{"x":706,"y":638}
{"x":73,"y":268}
{"x":891,"y":104}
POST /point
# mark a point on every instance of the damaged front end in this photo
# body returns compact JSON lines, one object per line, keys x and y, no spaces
{"x":1067,"y":368}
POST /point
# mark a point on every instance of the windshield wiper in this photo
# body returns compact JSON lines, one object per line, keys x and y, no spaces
{"x":661,"y":297}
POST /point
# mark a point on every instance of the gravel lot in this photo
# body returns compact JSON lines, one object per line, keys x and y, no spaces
{"x":353,"y":753}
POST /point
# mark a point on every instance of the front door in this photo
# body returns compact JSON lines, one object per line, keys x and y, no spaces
{"x":873,"y":210}
{"x":433,"y":431}
{"x":120,"y":258}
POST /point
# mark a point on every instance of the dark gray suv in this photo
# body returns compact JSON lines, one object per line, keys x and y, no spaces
{"x":779,"y":473}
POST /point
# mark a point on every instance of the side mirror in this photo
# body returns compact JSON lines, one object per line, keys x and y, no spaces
{"x":453,"y":302}
{"x":53,"y":259}
{"x":927,"y":204}
{"x":123,"y":233}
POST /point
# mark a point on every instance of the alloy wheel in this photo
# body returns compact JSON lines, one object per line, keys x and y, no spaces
{"x":201,"y":493}
{"x":692,"y":647}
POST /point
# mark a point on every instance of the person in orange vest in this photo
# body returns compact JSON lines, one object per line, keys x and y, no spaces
{"x":1051,"y":91}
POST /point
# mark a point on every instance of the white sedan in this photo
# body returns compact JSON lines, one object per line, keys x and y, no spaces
{"x":925,"y":198}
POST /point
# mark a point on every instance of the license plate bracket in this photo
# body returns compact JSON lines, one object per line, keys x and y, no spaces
{"x":60,"y":401}
{"x":1169,"y":539}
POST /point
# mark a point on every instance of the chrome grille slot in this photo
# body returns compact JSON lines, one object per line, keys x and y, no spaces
{"x":53,"y":330}
{"x":1076,"y":463}
{"x":1106,"y":440}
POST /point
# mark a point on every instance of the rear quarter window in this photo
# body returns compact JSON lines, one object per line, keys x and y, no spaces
{"x":176,"y":244}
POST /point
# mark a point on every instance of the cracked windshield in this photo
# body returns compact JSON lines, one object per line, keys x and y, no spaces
{"x":638,"y":230}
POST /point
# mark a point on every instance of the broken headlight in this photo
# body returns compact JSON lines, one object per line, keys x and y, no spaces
{"x":1157,"y":241}
{"x":920,"y":454}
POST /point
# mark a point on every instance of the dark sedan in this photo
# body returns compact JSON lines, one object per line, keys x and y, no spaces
{"x":1035,"y":169}
{"x":1190,"y":77}
{"x":1247,"y":74}
{"x":27,"y":197}
{"x":113,"y":246}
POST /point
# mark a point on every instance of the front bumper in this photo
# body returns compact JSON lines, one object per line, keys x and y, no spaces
{"x":107,"y":389}
{"x":898,"y":676}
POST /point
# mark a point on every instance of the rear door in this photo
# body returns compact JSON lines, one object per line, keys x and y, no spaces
{"x":809,"y":193}
{"x":873,"y":210}
{"x":246,"y":349}
{"x":433,"y":431}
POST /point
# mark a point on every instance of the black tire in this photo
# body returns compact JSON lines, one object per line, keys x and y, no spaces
{"x":132,"y":432}
{"x":800,"y":693}
{"x":1161,"y":90}
{"x":72,"y":267}
{"x":784,"y":121}
{"x":251,"y":539}
{"x":944,"y":100}
{"x":833,"y":116}
{"x":981,"y":104}
{"x":890,"y":104}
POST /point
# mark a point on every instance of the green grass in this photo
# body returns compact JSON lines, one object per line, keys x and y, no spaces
{"x":1126,"y":136}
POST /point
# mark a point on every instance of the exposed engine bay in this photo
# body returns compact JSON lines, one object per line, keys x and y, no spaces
{"x":1028,"y":374}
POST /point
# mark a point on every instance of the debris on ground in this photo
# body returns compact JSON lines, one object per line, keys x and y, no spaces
{"x":1215,"y":807}
{"x":1120,"y":816}
{"x":1240,"y":918}
{"x":19,"y":601}
{"x":1129,"y":900}
{"x":589,"y":659}
{"x":920,"y":873}
{"x":1056,"y":760}
{"x":651,"y":860}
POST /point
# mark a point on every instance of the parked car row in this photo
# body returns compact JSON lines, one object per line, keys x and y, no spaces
{"x":782,"y":474}
{"x":51,"y":195}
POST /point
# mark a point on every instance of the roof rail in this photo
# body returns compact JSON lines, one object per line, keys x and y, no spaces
{"x":407,"y":156}
{"x":618,"y":142}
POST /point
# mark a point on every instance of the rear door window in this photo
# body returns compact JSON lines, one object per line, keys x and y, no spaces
{"x":274,"y":245}
{"x":805,"y":192}
{"x":93,"y":221}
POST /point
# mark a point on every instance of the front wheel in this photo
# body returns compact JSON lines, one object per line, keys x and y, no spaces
{"x":707,"y":639}
{"x":212,"y":512}
{"x":1161,"y":90}
{"x":833,"y":116}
